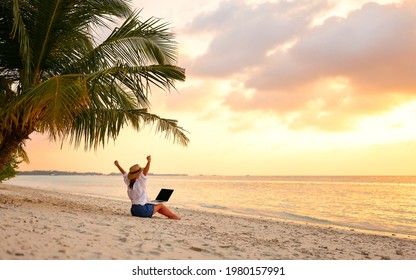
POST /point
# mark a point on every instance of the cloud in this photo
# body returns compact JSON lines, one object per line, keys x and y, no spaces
{"x":373,"y":46}
{"x":327,"y":76}
{"x":243,"y":34}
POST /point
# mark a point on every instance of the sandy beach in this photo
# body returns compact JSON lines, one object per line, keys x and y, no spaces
{"x":44,"y":225}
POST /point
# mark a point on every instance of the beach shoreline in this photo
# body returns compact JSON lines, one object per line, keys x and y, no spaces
{"x":46,"y":225}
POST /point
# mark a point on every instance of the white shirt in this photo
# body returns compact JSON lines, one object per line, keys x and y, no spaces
{"x":137,"y":194}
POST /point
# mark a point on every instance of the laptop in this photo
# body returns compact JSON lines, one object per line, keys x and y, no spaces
{"x":163,"y":196}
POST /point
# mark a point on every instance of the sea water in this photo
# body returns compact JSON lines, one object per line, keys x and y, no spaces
{"x":376,"y":203}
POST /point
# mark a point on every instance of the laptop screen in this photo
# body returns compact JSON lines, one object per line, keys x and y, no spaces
{"x":164,"y":194}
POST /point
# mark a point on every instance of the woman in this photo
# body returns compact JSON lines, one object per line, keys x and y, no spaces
{"x":136,"y":181}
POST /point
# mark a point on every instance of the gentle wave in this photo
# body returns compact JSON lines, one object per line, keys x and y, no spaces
{"x":291,"y":216}
{"x":212,"y":206}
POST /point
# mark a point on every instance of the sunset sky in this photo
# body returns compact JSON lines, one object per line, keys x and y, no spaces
{"x":302,"y":87}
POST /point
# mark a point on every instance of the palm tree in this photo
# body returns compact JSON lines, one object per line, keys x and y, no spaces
{"x":57,"y":80}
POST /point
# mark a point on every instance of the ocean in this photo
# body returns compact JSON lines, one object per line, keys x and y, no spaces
{"x":385,"y":204}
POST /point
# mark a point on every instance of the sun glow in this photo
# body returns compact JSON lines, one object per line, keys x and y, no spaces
{"x":396,"y":125}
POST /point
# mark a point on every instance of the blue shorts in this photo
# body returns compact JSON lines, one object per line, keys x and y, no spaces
{"x":144,"y":211}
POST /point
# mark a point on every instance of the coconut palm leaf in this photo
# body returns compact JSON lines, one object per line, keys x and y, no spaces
{"x":96,"y":127}
{"x":52,"y":103}
{"x":151,"y":39}
{"x":60,"y":100}
{"x":137,"y":80}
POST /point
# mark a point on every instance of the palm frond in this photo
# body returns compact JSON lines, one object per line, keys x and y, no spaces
{"x":9,"y":46}
{"x":21,"y":153}
{"x":100,"y":13}
{"x":134,"y":43}
{"x":19,"y":30}
{"x":169,"y":127}
{"x":49,"y":106}
{"x":63,"y":27}
{"x":136,"y":79}
{"x":151,"y":39}
{"x":95,"y":127}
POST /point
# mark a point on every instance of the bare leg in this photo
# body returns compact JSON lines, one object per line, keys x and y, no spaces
{"x":162,"y":209}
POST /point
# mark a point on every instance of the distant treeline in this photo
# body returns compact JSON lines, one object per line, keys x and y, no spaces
{"x":60,"y":173}
{"x":54,"y":172}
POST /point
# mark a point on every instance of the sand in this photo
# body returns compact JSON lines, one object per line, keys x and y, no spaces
{"x":44,"y":225}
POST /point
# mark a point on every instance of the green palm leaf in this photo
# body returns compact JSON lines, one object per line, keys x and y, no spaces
{"x":51,"y":104}
{"x":96,"y":127}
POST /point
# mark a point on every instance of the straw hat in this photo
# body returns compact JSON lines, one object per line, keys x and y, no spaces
{"x":134,"y":171}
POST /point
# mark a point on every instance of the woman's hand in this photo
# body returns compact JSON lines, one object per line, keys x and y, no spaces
{"x":119,"y":167}
{"x":147,"y":167}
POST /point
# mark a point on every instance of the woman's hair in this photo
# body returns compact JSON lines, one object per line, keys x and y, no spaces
{"x":132,"y":181}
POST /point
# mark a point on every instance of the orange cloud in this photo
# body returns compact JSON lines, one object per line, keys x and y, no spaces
{"x":372,"y":51}
{"x":244,"y":34}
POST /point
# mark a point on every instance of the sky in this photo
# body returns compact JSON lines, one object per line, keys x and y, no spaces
{"x":302,"y":87}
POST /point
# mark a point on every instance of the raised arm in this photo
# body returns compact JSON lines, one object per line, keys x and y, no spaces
{"x":147,"y":167}
{"x":119,"y":167}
